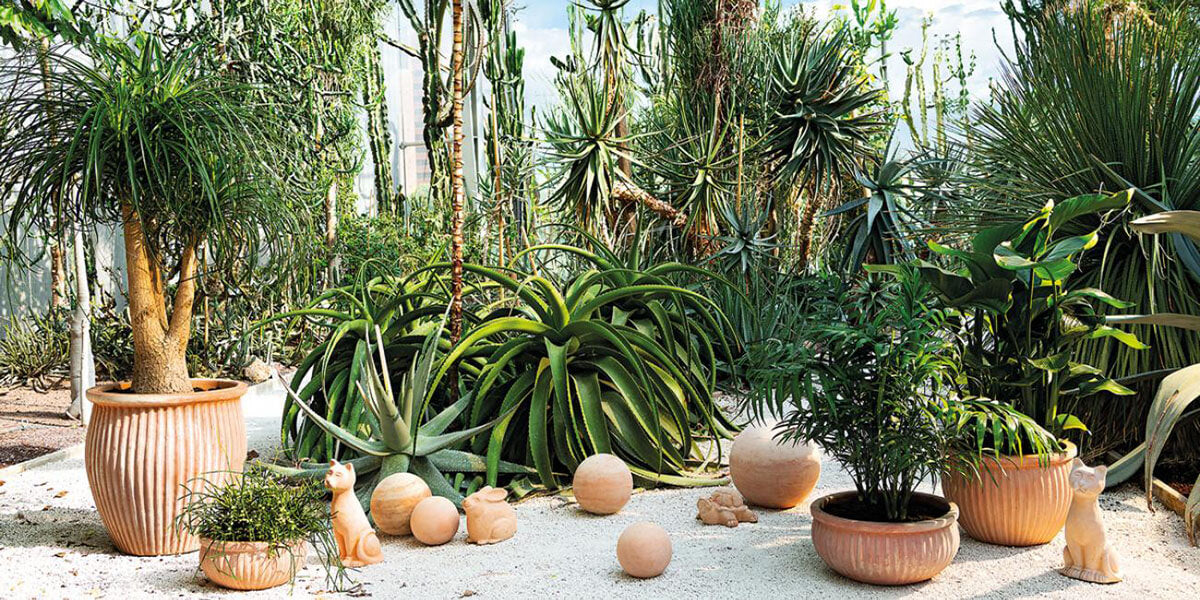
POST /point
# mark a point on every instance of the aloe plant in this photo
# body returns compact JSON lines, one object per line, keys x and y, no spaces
{"x":402,"y":438}
{"x":613,"y":362}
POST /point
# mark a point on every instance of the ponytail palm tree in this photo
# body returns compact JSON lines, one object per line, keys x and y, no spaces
{"x":140,"y":136}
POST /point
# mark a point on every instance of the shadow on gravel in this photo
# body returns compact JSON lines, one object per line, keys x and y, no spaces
{"x":76,"y":529}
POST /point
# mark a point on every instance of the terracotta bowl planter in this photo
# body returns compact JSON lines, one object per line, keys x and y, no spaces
{"x":1025,"y":505}
{"x":771,"y":474}
{"x":142,"y":448}
{"x":251,"y":565}
{"x":885,"y":553}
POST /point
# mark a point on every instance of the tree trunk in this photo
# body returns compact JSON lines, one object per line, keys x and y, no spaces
{"x":456,"y":176}
{"x":159,"y":344}
{"x":804,"y":229}
{"x":58,"y":267}
{"x":83,"y":366}
{"x":331,"y":225}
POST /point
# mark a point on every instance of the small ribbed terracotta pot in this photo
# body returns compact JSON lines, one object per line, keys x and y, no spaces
{"x":1014,"y":501}
{"x":142,"y":448}
{"x":885,"y":553}
{"x":251,"y":565}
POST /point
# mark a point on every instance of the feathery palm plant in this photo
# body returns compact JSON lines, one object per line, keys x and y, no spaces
{"x":140,"y":136}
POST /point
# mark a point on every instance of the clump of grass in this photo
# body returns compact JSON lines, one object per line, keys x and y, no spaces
{"x":257,"y":506}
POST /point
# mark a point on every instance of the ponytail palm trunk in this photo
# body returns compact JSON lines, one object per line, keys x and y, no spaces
{"x":159,"y":340}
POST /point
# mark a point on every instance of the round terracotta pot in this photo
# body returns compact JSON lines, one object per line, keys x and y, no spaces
{"x":602,"y":484}
{"x":1014,"y":501}
{"x":885,"y":553}
{"x":141,"y":449}
{"x":251,"y":565}
{"x":771,"y":474}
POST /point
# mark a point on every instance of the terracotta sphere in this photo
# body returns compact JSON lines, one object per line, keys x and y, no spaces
{"x":644,"y":550}
{"x":772,"y":474}
{"x":434,"y":521}
{"x":393,"y":501}
{"x":602,"y":484}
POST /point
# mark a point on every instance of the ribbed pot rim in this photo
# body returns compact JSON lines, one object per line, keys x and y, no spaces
{"x":246,"y":547}
{"x":876,"y":528}
{"x":109,"y":394}
{"x":1030,"y":461}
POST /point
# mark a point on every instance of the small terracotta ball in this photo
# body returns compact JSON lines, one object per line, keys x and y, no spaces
{"x":773,"y":474}
{"x":393,"y":501}
{"x":434,"y":521}
{"x":602,"y":484}
{"x":644,"y":550}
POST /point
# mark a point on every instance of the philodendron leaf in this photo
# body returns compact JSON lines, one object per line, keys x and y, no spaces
{"x":1072,"y":208}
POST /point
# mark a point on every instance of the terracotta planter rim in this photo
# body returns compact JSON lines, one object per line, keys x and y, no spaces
{"x":1030,"y":461}
{"x":881,"y":528}
{"x":214,"y":390}
{"x":231,"y":547}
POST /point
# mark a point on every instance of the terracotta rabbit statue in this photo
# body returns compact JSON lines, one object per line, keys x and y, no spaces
{"x":489,"y":518}
{"x":1088,"y":556}
{"x":725,"y":507}
{"x":358,"y":545}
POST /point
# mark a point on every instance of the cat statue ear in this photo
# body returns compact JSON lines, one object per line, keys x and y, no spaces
{"x":1075,"y":464}
{"x":1088,"y":556}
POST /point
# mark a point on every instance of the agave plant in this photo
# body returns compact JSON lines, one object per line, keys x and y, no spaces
{"x":402,"y":439}
{"x":583,"y":374}
{"x":326,"y":381}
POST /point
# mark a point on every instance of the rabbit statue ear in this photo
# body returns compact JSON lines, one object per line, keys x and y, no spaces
{"x":496,"y":494}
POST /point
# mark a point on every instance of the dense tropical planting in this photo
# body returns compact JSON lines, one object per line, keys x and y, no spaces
{"x":708,"y":217}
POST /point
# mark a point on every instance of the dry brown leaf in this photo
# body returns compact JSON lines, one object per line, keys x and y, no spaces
{"x":61,"y":494}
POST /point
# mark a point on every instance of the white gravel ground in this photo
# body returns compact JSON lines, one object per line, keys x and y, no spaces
{"x":52,"y":545}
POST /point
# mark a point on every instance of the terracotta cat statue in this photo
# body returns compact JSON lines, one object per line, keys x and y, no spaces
{"x":358,"y":546}
{"x":1088,"y":556}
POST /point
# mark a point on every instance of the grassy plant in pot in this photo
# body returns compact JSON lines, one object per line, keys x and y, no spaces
{"x":137,"y":135}
{"x":1020,"y":323}
{"x":870,"y":389}
{"x":255,"y":529}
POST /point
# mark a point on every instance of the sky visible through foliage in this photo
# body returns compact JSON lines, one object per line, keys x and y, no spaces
{"x":542,"y":28}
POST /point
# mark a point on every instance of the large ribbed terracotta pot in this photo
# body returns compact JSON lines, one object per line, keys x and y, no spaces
{"x":251,"y":565}
{"x":142,"y":448}
{"x":1014,"y":501}
{"x":885,"y":553}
